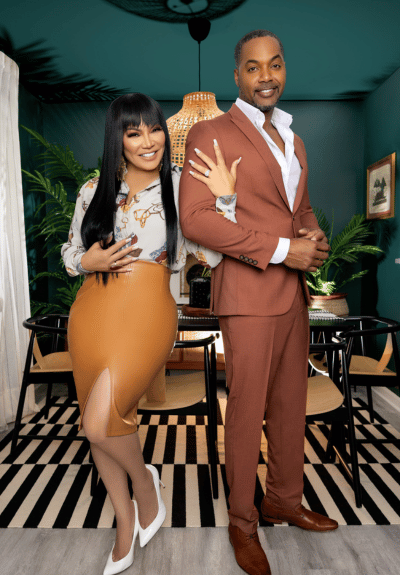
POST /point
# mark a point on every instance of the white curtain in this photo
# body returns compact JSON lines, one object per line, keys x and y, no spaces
{"x":14,"y":292}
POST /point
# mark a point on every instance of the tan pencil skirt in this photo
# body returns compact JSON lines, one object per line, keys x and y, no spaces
{"x":128,"y":326}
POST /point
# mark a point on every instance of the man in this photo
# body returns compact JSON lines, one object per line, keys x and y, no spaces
{"x":259,"y":291}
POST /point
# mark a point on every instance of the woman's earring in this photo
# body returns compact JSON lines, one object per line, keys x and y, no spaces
{"x":160,"y":166}
{"x":121,"y":170}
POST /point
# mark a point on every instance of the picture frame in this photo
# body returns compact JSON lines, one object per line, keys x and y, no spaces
{"x":381,"y":188}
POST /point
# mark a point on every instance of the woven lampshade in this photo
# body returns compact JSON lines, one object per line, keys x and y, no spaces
{"x":197,"y":106}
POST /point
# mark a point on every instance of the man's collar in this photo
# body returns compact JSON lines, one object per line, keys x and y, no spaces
{"x":256,"y":116}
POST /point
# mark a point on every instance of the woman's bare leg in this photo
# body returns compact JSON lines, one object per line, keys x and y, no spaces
{"x":115,"y":481}
{"x":115,"y":457}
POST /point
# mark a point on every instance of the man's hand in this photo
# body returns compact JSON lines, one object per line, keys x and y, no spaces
{"x":307,"y":255}
{"x":316,"y":234}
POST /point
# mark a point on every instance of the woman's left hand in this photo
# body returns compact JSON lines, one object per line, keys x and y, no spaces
{"x":219,"y":180}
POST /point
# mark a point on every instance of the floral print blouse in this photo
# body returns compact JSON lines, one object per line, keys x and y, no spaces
{"x":143,"y":221}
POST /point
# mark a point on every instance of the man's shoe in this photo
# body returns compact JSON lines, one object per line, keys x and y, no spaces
{"x":248,"y":551}
{"x":299,"y":516}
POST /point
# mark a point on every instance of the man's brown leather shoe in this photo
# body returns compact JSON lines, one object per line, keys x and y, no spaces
{"x":299,"y":516}
{"x":248,"y":551}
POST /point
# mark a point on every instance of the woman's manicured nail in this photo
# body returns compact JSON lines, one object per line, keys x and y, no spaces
{"x":239,"y":159}
{"x":215,"y":142}
{"x":190,"y":172}
{"x":128,"y":240}
{"x":197,"y":150}
{"x":191,"y":162}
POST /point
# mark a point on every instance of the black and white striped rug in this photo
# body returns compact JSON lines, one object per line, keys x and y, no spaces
{"x":47,"y":483}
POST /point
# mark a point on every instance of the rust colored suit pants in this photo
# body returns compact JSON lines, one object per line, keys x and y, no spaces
{"x":266,"y":371}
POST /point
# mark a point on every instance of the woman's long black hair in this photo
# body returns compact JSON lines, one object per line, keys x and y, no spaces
{"x":127,"y":111}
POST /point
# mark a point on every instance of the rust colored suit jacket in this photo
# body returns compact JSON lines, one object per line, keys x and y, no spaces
{"x":244,"y":283}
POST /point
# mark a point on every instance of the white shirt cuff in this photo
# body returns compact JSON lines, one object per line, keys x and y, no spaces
{"x":281,"y":251}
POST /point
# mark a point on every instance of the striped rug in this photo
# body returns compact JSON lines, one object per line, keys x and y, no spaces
{"x":46,"y":483}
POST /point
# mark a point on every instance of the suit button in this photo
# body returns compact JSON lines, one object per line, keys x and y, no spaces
{"x":293,"y":218}
{"x":241,"y":257}
{"x":250,"y":260}
{"x":255,"y":262}
{"x":246,"y":259}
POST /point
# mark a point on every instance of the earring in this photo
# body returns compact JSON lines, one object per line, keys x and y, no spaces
{"x":160,"y":166}
{"x":121,"y":170}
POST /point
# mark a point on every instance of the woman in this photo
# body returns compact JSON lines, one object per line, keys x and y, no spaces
{"x":125,"y":238}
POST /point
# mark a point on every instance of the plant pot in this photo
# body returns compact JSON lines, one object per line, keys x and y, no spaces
{"x":335,"y":303}
{"x":200,"y":292}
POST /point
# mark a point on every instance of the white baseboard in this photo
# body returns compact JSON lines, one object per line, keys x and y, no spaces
{"x":391,"y":398}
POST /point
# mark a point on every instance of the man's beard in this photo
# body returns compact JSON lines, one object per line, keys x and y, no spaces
{"x":258,"y":106}
{"x":263,"y":108}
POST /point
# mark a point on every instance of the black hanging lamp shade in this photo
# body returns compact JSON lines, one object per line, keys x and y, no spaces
{"x":177,"y":10}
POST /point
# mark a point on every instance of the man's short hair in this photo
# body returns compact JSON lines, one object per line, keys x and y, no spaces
{"x":250,"y":36}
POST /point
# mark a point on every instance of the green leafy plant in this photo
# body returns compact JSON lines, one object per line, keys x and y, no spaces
{"x":59,"y":173}
{"x":39,"y":75}
{"x":346,"y":249}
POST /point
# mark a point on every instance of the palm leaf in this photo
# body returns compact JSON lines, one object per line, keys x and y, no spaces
{"x":39,"y":75}
{"x":352,"y":277}
{"x":346,"y":248}
{"x":323,"y":223}
{"x":56,"y":275}
{"x":40,"y":307}
{"x":354,"y":234}
{"x":55,"y":215}
{"x":59,"y":162}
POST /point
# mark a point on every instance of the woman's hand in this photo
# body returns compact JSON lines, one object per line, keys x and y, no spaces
{"x":219,"y":180}
{"x":109,"y":260}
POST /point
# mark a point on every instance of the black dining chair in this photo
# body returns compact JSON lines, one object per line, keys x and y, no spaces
{"x":188,"y":394}
{"x":49,"y":368}
{"x":370,"y":368}
{"x":329,"y":400}
{"x":52,"y":367}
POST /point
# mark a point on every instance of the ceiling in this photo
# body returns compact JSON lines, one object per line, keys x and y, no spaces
{"x":341,"y":49}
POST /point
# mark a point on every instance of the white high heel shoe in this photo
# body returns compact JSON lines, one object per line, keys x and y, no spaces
{"x":146,"y":534}
{"x":113,"y":567}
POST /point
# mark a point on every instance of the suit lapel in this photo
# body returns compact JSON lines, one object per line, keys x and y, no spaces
{"x":251,"y":132}
{"x":301,"y":156}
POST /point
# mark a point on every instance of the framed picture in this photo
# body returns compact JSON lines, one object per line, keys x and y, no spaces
{"x":381,"y":188}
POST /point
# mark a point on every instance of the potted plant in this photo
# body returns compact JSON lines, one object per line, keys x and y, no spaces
{"x":346,"y":249}
{"x":61,"y":172}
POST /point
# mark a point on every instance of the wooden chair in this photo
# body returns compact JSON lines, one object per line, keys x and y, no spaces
{"x":54,"y":367}
{"x":368,"y":371}
{"x":329,"y":400}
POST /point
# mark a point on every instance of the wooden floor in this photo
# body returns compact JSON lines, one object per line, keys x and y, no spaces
{"x":351,"y":550}
{"x":367,"y":550}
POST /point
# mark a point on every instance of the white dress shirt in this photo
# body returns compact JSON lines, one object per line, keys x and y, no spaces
{"x":288,"y":162}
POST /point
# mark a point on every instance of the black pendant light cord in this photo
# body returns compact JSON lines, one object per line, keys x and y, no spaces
{"x":199,"y":29}
{"x":199,"y":70}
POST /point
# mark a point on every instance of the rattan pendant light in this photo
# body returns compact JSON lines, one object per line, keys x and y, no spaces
{"x":197,"y":106}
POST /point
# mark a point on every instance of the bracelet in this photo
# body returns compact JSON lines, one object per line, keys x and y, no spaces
{"x":82,"y":270}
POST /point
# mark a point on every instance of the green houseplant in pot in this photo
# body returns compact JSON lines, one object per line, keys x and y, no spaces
{"x":347,"y":248}
{"x":61,"y":173}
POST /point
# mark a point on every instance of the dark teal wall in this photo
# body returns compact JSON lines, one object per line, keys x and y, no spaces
{"x":332,"y":132}
{"x":31,"y":115}
{"x":382,"y":125}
